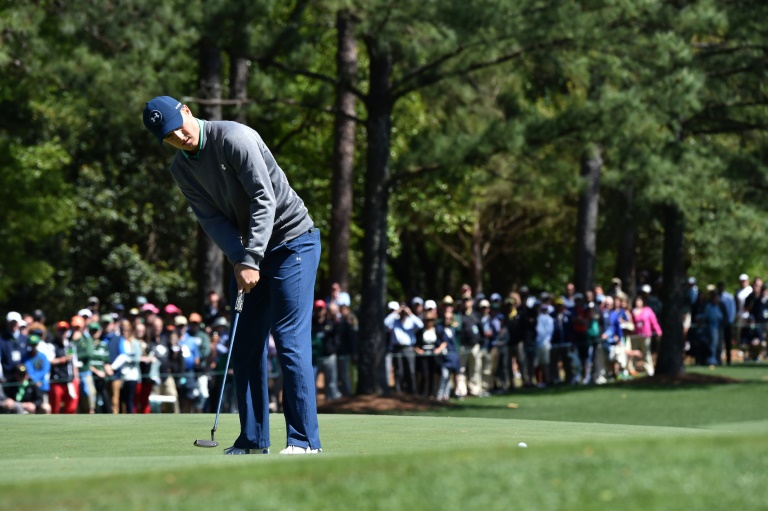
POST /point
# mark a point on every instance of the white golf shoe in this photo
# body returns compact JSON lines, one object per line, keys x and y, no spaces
{"x":294,"y":449}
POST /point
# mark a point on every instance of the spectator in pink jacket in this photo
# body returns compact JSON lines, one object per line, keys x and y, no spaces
{"x":646,"y":326}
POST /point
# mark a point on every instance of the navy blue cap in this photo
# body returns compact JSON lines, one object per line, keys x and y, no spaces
{"x":162,"y":115}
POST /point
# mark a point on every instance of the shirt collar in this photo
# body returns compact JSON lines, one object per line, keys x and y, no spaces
{"x":201,"y":142}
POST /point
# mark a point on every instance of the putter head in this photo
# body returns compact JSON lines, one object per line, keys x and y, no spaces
{"x":206,"y":443}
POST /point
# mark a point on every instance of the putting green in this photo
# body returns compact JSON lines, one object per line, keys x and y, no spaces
{"x":380,"y":462}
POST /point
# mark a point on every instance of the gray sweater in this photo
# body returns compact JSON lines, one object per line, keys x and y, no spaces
{"x":238,"y":192}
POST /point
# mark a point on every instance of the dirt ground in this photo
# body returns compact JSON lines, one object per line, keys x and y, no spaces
{"x":377,"y":404}
{"x":683,"y":379}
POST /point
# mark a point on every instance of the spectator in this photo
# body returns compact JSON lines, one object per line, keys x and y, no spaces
{"x":447,"y":351}
{"x":472,"y":342}
{"x":147,"y":371}
{"x":501,"y":375}
{"x":28,"y":393}
{"x":611,"y":339}
{"x":568,"y":298}
{"x":159,"y":347}
{"x":9,"y":405}
{"x":127,"y":366}
{"x":338,"y":296}
{"x":171,"y":311}
{"x":741,"y":298}
{"x":515,"y":343}
{"x":715,"y":317}
{"x":490,"y":327}
{"x":729,"y":303}
{"x":426,"y":344}
{"x":93,"y":304}
{"x":646,"y":326}
{"x":545,"y":326}
{"x":13,"y":343}
{"x":403,"y":325}
{"x":202,"y":371}
{"x":581,"y":341}
{"x":347,"y":351}
{"x":528,"y":320}
{"x":100,"y":369}
{"x":186,"y":383}
{"x":81,"y":338}
{"x":213,"y":308}
{"x":417,"y":306}
{"x":327,"y":362}
{"x":562,"y":343}
{"x":64,"y":381}
{"x":38,"y":367}
{"x":752,"y":341}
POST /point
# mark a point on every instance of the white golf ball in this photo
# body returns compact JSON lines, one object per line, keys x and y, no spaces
{"x":522,"y":444}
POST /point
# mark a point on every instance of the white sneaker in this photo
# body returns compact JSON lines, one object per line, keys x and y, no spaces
{"x":294,"y":449}
{"x":237,"y":450}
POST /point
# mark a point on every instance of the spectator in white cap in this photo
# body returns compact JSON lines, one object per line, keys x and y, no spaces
{"x":745,"y":290}
{"x":13,"y":343}
{"x":417,"y":306}
{"x":338,"y":296}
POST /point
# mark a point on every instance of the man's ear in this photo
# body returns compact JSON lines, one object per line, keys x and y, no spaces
{"x":185,"y":109}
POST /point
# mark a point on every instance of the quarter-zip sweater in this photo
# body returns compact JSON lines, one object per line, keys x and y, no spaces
{"x":238,"y":193}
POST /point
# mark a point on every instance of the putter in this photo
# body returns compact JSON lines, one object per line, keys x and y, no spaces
{"x":238,"y":308}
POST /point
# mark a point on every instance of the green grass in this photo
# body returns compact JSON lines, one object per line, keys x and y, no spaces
{"x":619,"y":447}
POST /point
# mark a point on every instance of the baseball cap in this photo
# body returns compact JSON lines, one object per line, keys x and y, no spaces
{"x":93,"y":300}
{"x":495,"y":297}
{"x":180,"y":320}
{"x":220,"y":321}
{"x":150,"y":307}
{"x":77,"y":321}
{"x":62,"y":325}
{"x":484,"y":303}
{"x":393,"y":305}
{"x":430,"y":304}
{"x":94,"y":326}
{"x":172,"y":309}
{"x":195,"y":318}
{"x":162,"y":115}
{"x":447,"y":300}
{"x":13,"y":316}
{"x":417,"y":300}
{"x":319,"y":304}
{"x":34,"y":339}
{"x":743,"y":276}
{"x":646,"y":288}
{"x":85,"y":313}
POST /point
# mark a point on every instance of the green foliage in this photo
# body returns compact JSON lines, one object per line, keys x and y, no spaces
{"x":494,"y":104}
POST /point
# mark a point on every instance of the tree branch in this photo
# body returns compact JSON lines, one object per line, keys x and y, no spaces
{"x":426,"y":81}
{"x":317,"y":76}
{"x":451,"y":251}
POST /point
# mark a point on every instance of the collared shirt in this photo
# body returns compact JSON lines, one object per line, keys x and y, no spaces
{"x":729,"y":302}
{"x":403,"y":330}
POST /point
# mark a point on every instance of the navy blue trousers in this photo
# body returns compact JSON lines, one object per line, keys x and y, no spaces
{"x":281,"y":303}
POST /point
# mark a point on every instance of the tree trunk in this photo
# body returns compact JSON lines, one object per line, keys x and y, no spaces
{"x":238,"y":89}
{"x":343,"y":151}
{"x":589,"y":201}
{"x":670,"y":361}
{"x":477,"y":255}
{"x":625,"y":260}
{"x":210,"y":259}
{"x":238,"y":85}
{"x":374,"y":286}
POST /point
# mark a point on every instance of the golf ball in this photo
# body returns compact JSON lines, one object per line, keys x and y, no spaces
{"x":522,"y":444}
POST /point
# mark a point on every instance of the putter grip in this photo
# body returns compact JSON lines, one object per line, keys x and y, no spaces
{"x":239,"y":301}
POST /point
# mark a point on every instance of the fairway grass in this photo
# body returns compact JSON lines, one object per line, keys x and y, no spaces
{"x":382,"y":462}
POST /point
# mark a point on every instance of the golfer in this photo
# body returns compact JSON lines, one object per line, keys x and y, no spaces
{"x":243,"y":201}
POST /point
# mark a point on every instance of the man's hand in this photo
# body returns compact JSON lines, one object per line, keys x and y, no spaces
{"x":247,"y":277}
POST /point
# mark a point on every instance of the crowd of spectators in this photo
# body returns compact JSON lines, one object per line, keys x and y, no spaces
{"x":476,"y":345}
{"x":146,"y":359}
{"x":116,"y":360}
